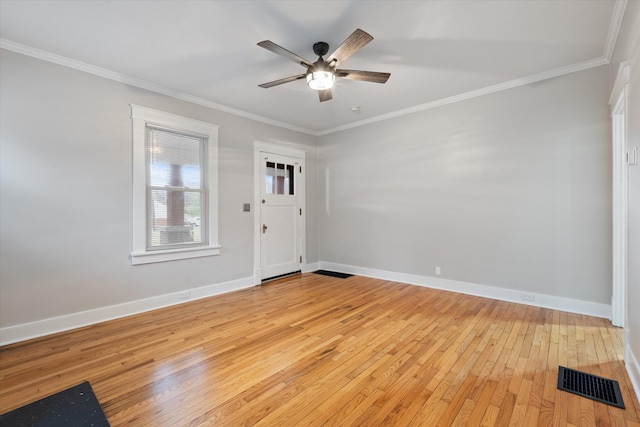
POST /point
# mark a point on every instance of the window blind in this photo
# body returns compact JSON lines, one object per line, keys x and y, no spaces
{"x":175,"y":189}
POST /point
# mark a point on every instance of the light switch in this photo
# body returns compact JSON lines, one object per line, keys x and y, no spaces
{"x":246,"y":207}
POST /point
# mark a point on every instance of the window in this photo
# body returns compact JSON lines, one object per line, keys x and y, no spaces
{"x":279,"y":178}
{"x":174,"y":187}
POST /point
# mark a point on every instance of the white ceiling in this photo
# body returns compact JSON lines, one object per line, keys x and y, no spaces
{"x":206,"y":50}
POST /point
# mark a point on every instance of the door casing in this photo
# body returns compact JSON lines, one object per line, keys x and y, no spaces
{"x":260,"y":148}
{"x":620,"y":202}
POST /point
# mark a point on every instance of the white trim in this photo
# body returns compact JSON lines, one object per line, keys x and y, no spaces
{"x":173,"y":254}
{"x":132,"y":81}
{"x":102,"y":72}
{"x":474,"y":93}
{"x":26,"y":331}
{"x":281,"y":150}
{"x":257,"y":182}
{"x":503,"y":294}
{"x":620,"y":197}
{"x":175,"y":121}
{"x":140,"y":117}
{"x":308,"y":268}
{"x":632,"y":364}
{"x":614,"y":28}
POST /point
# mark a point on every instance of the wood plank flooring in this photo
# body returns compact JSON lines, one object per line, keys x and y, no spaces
{"x":316,"y":350}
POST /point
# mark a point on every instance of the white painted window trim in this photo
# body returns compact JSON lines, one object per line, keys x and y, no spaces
{"x":620,"y":198}
{"x":265,"y":147}
{"x":140,"y":117}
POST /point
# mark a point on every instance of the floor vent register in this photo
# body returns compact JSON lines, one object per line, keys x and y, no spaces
{"x":591,"y":386}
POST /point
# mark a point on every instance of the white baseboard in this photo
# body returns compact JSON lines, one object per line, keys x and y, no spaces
{"x":503,"y":294}
{"x":308,"y":268}
{"x":305,"y":268}
{"x":631,"y":362}
{"x":12,"y":334}
{"x":25,"y":331}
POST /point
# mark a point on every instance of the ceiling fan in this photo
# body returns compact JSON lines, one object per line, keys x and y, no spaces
{"x":321,"y":74}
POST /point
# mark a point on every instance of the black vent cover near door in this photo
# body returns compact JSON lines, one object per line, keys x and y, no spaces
{"x":597,"y":388}
{"x":333,"y":274}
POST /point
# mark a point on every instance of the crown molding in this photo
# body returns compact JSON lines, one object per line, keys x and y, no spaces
{"x":143,"y":84}
{"x":122,"y":78}
{"x":614,"y":28}
{"x":475,"y":93}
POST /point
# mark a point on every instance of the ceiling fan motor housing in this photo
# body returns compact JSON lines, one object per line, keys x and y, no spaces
{"x":320,"y":48}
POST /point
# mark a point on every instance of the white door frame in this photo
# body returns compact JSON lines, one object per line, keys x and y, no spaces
{"x":265,"y":147}
{"x":620,"y":256}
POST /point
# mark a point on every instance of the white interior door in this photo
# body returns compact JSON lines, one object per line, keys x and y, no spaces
{"x":280,"y":215}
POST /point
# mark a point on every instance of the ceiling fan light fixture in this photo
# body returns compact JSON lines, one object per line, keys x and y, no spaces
{"x":321,"y":80}
{"x":321,"y":75}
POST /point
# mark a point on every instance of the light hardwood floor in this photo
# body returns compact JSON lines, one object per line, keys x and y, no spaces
{"x":315,"y":350}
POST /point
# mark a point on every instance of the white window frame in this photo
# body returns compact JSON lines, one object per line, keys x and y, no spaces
{"x":140,"y":117}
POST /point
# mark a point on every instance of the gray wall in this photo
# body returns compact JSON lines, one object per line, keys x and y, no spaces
{"x":65,"y":207}
{"x":509,"y":190}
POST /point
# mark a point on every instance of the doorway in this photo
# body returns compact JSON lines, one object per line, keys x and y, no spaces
{"x":621,"y":161}
{"x":279,"y":217}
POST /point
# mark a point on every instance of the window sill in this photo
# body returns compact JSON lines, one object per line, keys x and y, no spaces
{"x":173,"y":254}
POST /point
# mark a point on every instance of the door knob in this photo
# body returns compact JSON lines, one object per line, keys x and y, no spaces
{"x":264,"y":228}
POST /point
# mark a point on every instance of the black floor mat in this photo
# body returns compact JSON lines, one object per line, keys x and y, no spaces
{"x":333,"y":274}
{"x":593,"y":387}
{"x":74,"y":407}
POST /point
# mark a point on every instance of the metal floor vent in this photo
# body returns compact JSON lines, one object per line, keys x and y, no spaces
{"x":591,"y":386}
{"x":333,"y":274}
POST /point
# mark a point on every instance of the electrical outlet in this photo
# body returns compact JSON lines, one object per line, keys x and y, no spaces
{"x":527,"y":297}
{"x":438,"y":271}
{"x":184,"y":294}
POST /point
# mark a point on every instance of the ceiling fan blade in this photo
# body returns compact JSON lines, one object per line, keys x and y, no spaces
{"x":281,"y":81}
{"x":351,"y":45}
{"x":325,"y":95}
{"x":366,"y":76}
{"x":271,"y":46}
